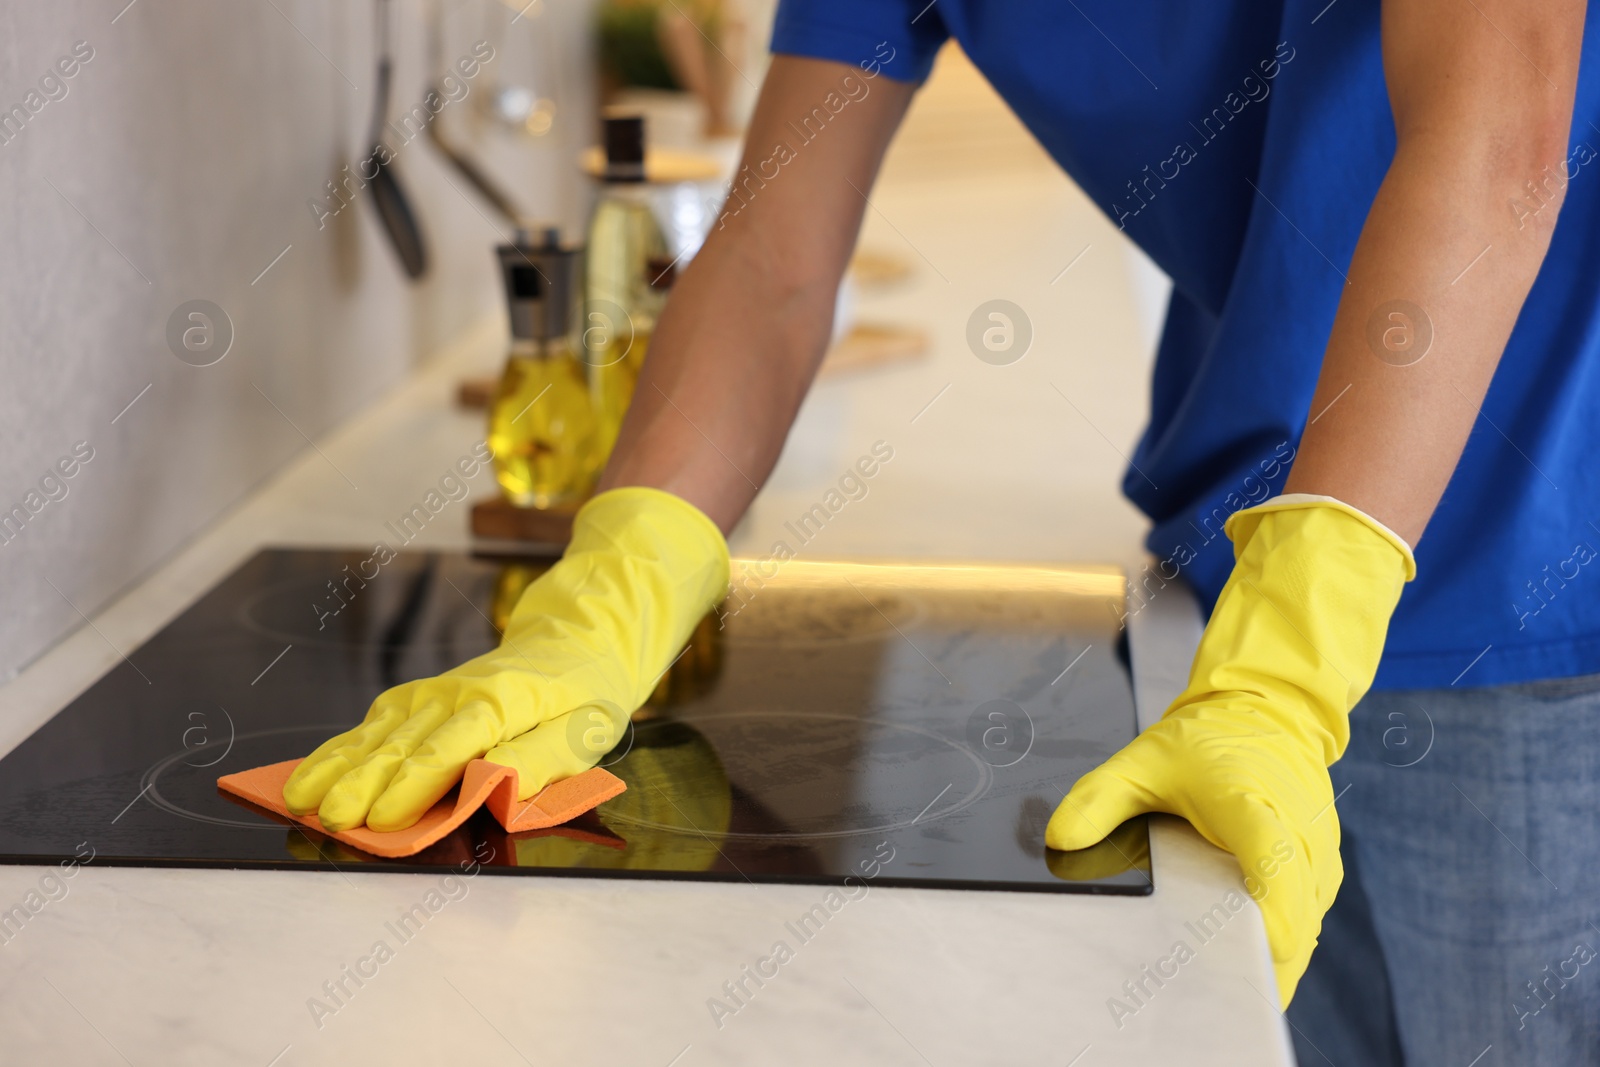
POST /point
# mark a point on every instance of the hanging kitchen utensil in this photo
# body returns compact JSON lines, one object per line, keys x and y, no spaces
{"x":394,"y":208}
{"x":469,"y":168}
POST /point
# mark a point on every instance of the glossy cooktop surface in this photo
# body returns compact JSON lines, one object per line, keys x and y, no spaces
{"x":907,"y":725}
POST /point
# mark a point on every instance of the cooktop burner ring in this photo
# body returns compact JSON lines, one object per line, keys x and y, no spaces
{"x":334,"y":633}
{"x":151,"y":792}
{"x":150,"y":782}
{"x":985,"y":779}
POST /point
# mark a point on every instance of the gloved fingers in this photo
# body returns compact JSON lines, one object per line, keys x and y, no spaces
{"x":309,"y":783}
{"x":561,"y":747}
{"x":433,"y":767}
{"x":350,"y":798}
{"x":1104,"y":799}
{"x":1281,"y":876}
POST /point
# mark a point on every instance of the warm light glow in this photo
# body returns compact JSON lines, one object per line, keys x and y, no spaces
{"x":1076,"y":580}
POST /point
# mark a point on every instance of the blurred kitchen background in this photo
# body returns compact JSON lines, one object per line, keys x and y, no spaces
{"x":189,"y":157}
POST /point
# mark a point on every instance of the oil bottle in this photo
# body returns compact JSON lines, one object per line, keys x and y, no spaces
{"x":543,"y":428}
{"x":622,"y":293}
{"x":615,"y":376}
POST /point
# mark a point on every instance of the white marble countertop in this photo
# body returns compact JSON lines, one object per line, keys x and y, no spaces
{"x":148,"y":966}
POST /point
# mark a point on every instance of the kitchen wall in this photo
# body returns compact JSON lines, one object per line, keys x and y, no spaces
{"x":179,"y":161}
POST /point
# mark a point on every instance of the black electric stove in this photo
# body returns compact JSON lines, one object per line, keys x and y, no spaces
{"x":903,"y":725}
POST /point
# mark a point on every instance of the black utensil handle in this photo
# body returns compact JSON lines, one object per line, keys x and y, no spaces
{"x":399,"y":221}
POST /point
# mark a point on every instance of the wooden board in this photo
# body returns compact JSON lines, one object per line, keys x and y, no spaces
{"x":662,"y":166}
{"x":500,"y":520}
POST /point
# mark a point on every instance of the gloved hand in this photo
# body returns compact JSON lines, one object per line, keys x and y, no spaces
{"x":585,"y":646}
{"x":1292,"y":645}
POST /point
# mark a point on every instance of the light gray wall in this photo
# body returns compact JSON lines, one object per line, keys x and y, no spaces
{"x":178,"y":164}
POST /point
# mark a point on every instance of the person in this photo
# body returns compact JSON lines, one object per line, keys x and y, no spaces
{"x":1372,"y":304}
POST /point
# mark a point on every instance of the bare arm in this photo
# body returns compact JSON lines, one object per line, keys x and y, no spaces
{"x":1482,"y":96}
{"x":741,"y":338}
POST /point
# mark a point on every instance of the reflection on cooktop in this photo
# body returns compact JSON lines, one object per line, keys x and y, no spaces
{"x":918,"y":723}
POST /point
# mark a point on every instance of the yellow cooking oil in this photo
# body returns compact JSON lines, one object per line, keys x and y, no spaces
{"x":613,"y":379}
{"x":620,"y":304}
{"x":544,"y":430}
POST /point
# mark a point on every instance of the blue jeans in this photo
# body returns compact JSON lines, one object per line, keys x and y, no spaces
{"x":1467,"y":931}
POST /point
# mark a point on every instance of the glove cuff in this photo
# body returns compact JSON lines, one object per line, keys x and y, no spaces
{"x":662,"y":530}
{"x":1245,"y":522}
{"x":642,"y":569}
{"x":1298,"y":630}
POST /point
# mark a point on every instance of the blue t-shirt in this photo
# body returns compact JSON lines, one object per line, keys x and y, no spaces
{"x":1240,"y":145}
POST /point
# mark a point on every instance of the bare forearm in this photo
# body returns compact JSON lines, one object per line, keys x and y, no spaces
{"x":1386,"y":432}
{"x":740,"y":341}
{"x":730,"y":362}
{"x":1444,"y":254}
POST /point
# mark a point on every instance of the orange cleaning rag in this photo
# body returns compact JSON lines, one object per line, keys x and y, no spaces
{"x":483,"y":784}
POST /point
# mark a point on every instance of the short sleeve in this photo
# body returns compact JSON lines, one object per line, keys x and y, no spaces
{"x":898,"y":38}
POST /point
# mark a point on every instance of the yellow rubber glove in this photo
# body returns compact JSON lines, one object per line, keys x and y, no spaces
{"x":584,"y":648}
{"x":1292,"y":645}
